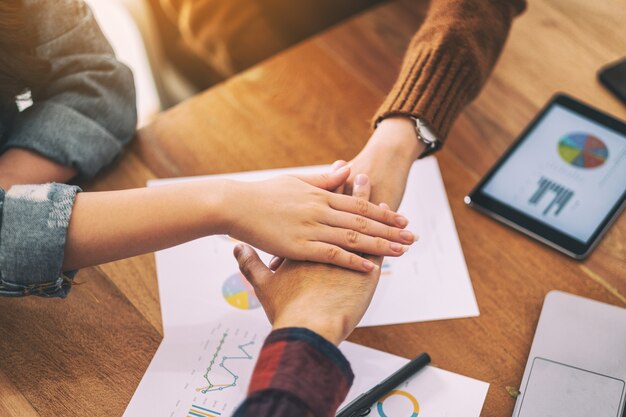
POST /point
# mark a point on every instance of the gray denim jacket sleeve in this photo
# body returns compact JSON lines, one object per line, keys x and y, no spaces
{"x":82,"y":117}
{"x":86,"y":111}
{"x":32,"y":239}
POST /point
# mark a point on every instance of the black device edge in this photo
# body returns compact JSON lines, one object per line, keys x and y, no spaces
{"x":607,"y":83}
{"x":526,"y":224}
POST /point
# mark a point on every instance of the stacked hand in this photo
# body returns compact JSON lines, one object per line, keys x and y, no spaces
{"x":299,"y":220}
{"x":329,"y":300}
{"x":386,"y":159}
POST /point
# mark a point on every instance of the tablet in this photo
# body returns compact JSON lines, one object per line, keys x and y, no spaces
{"x":563,"y":181}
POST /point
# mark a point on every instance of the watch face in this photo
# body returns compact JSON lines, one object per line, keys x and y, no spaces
{"x":427,"y":136}
{"x":427,"y":133}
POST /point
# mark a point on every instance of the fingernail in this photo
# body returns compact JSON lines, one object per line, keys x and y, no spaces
{"x":396,"y":247}
{"x":339,"y":164}
{"x":237,"y":250}
{"x":401,"y":221}
{"x":342,"y":169}
{"x":407,"y":236}
{"x":360,"y":179}
{"x":369,"y":265}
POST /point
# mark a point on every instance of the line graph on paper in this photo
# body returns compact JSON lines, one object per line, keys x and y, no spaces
{"x":223,"y":365}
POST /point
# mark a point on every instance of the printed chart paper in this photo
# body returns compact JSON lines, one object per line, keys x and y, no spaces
{"x":208,"y":374}
{"x":214,"y":326}
{"x":430,"y":282}
{"x":431,"y":392}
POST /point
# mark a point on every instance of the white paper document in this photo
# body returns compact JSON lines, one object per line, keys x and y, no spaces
{"x":431,"y":392}
{"x":202,"y":374}
{"x":207,"y":375}
{"x":214,"y":325}
{"x":430,"y":282}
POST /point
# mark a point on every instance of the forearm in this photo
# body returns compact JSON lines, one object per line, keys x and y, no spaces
{"x":444,"y":68}
{"x":387,"y":159}
{"x":107,"y":226}
{"x":449,"y":59}
{"x":21,"y":166}
{"x":396,"y":139}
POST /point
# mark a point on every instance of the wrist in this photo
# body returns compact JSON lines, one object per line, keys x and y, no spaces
{"x":332,"y":329}
{"x":397,"y":136}
{"x":220,"y":200}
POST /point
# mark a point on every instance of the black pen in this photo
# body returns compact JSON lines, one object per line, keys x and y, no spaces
{"x":363,"y":402}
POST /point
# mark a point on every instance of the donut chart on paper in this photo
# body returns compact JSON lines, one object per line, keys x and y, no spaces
{"x":583,"y":150}
{"x":415,"y":405}
{"x":239,"y":293}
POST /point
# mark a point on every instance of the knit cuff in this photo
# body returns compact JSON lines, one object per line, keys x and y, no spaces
{"x":434,"y":85}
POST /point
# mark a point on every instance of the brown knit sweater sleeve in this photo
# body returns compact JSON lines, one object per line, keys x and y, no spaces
{"x":449,"y":59}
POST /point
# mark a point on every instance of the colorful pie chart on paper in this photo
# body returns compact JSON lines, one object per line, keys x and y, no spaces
{"x":583,"y":150}
{"x":239,"y":293}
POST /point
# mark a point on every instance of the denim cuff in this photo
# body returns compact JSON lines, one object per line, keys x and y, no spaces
{"x":65,"y":136}
{"x":33,"y":230}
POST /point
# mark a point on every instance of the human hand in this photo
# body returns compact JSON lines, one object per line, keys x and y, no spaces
{"x":325,"y":299}
{"x":291,"y":217}
{"x":386,"y":159}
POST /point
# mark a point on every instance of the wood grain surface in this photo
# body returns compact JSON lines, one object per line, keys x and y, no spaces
{"x":310,"y":105}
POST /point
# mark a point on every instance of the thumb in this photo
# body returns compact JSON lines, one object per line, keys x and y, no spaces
{"x":251,"y":265}
{"x":336,"y":166}
{"x":329,"y":180}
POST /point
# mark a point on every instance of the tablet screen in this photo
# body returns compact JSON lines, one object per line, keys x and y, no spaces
{"x":568,"y":173}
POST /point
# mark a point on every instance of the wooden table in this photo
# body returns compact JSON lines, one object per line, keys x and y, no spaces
{"x":309,"y":105}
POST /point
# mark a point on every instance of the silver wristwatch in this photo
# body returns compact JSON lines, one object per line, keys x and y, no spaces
{"x":426,"y":135}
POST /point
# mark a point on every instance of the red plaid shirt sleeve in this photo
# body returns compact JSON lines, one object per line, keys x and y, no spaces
{"x":299,"y":373}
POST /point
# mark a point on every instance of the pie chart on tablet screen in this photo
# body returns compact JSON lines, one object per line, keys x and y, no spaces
{"x":583,"y":150}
